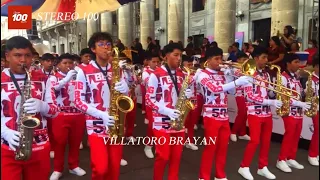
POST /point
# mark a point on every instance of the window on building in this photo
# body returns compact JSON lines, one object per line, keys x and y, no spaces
{"x":313,"y":29}
{"x":114,"y":18}
{"x":137,"y":12}
{"x":54,"y":48}
{"x":61,"y":48}
{"x":71,"y":46}
{"x":198,"y":5}
{"x":197,"y":40}
{"x":156,"y":10}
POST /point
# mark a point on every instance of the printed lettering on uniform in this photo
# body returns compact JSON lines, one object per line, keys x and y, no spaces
{"x":151,"y":90}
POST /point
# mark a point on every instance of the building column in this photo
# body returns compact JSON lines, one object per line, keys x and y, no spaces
{"x":175,"y":20}
{"x":125,"y":25}
{"x":106,"y":22}
{"x":224,"y":23}
{"x":91,"y":28}
{"x":284,"y":13}
{"x":146,"y":21}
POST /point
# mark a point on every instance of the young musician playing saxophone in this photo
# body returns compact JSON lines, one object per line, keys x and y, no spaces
{"x":42,"y":103}
{"x":153,"y":63}
{"x":68,"y":126}
{"x":239,"y":126}
{"x":314,"y":144}
{"x":97,"y":78}
{"x":215,"y":84}
{"x":292,"y":122}
{"x":259,"y":117}
{"x":162,"y":94}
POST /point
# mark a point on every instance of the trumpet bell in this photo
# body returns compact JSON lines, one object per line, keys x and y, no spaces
{"x":125,"y":104}
{"x":249,"y":67}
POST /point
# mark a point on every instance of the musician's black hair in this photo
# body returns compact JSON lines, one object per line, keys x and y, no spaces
{"x":211,"y":52}
{"x":99,"y":36}
{"x":86,"y":51}
{"x":258,"y":51}
{"x":289,"y":57}
{"x":47,"y":56}
{"x":171,"y":47}
{"x":35,"y":53}
{"x":315,"y":60}
{"x":18,"y":42}
{"x":241,"y":54}
{"x":155,"y":55}
{"x":186,"y":58}
{"x":65,"y":56}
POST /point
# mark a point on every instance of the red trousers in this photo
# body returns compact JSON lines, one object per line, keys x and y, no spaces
{"x":150,"y":124}
{"x":166,"y":153}
{"x":192,"y":119}
{"x":50,"y":133}
{"x":239,"y":126}
{"x":105,"y":159}
{"x":143,"y":101}
{"x":130,"y":120}
{"x":67,"y":128}
{"x":37,"y":167}
{"x":314,"y":144}
{"x":221,"y":131}
{"x":260,"y":133}
{"x":291,"y":137}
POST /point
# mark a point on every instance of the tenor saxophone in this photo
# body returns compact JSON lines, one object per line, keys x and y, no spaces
{"x":26,"y":123}
{"x":184,"y":105}
{"x":311,"y":98}
{"x":120,"y":105}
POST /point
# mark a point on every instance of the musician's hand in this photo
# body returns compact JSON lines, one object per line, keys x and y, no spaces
{"x":188,"y":93}
{"x":70,"y":75}
{"x":304,"y":105}
{"x":275,"y":103}
{"x":171,"y":113}
{"x":122,"y":64}
{"x":12,"y":137}
{"x":243,"y":80}
{"x":122,"y":87}
{"x":107,"y":120}
{"x":33,"y":105}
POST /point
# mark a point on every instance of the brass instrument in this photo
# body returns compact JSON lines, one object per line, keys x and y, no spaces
{"x":311,"y":97}
{"x":26,"y":123}
{"x":284,"y":110}
{"x":183,"y":104}
{"x":248,"y":68}
{"x":120,"y":105}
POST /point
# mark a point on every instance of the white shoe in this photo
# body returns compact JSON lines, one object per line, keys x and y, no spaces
{"x":313,"y":161}
{"x":266,"y":173}
{"x":283,"y":166}
{"x":220,"y":179}
{"x":52,"y":154}
{"x":148,"y":152}
{"x":245,"y":137}
{"x":55,"y":175}
{"x":146,"y":121}
{"x":123,"y":162}
{"x":77,"y":171}
{"x":195,"y":127}
{"x":131,"y":139}
{"x":81,"y":146}
{"x":192,"y":146}
{"x":245,"y":173}
{"x":294,"y":164}
{"x":233,"y":137}
{"x":143,"y":112}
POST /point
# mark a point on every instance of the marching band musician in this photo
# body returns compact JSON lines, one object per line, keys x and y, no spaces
{"x":105,"y":157}
{"x":146,"y":67}
{"x":293,"y":122}
{"x":68,"y":126}
{"x":259,"y":117}
{"x":42,"y":104}
{"x":193,"y":116}
{"x":162,"y":93}
{"x":314,"y":144}
{"x":215,"y":84}
{"x":239,"y":126}
{"x":86,"y":56}
{"x":153,"y":63}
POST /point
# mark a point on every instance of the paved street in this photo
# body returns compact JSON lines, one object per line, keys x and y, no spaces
{"x":141,"y":168}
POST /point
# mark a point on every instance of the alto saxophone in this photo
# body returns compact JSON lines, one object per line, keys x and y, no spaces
{"x":183,"y":104}
{"x":26,"y":123}
{"x":311,"y":98}
{"x":120,"y":105}
{"x":285,"y":108}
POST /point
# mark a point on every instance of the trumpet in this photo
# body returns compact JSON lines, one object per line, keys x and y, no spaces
{"x":248,"y":68}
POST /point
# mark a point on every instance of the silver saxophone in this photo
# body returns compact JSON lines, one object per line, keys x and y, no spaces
{"x":26,"y":123}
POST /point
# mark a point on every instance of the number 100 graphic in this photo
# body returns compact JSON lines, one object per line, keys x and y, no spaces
{"x":20,"y":17}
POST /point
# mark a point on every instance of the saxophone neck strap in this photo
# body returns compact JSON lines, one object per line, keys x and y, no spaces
{"x":15,"y":81}
{"x":104,"y":72}
{"x":173,"y":78}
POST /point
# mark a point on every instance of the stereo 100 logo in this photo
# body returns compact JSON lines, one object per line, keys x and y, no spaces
{"x":19,"y":17}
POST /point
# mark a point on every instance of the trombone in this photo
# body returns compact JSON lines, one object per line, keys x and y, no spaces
{"x":248,"y":68}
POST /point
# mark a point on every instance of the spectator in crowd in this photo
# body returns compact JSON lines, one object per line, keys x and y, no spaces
{"x":235,"y":51}
{"x":190,"y":44}
{"x":312,"y":50}
{"x":119,"y":45}
{"x":214,"y":44}
{"x":287,"y":38}
{"x":245,"y":48}
{"x":295,"y":47}
{"x":151,"y":46}
{"x":276,"y":52}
